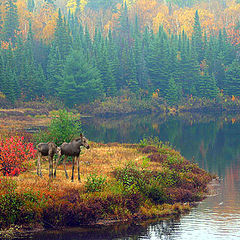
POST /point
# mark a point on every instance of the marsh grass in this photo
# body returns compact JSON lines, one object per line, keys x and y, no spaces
{"x":119,"y":182}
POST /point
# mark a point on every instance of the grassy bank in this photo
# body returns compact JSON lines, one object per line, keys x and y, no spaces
{"x":120,"y":182}
{"x":130,"y":104}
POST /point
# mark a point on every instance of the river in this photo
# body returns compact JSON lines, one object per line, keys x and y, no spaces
{"x":212,"y":142}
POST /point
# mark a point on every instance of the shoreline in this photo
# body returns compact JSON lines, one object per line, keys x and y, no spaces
{"x":119,"y":204}
{"x":26,"y":231}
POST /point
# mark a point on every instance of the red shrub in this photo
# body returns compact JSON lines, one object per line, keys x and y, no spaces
{"x":180,"y":195}
{"x":14,"y":153}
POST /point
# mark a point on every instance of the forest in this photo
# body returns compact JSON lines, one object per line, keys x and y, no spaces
{"x":80,"y":51}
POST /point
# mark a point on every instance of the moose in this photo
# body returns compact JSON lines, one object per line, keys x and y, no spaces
{"x":46,"y":149}
{"x":72,"y":149}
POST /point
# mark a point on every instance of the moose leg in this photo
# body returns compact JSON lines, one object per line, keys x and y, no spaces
{"x":55,"y":170}
{"x":39,"y":171}
{"x":73,"y":162}
{"x":38,"y":164}
{"x":78,"y":167}
{"x":64,"y":163}
{"x":50,"y":160}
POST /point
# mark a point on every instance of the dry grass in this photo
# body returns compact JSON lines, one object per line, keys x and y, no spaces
{"x":22,"y":122}
{"x":100,"y":160}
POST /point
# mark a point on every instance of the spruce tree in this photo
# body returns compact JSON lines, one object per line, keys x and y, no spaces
{"x":11,"y":23}
{"x":10,"y":85}
{"x":157,"y":64}
{"x":211,"y":87}
{"x":62,"y":39}
{"x":197,"y":41}
{"x":1,"y":22}
{"x":188,"y":66}
{"x":206,"y":86}
{"x":232,"y":84}
{"x":81,"y":81}
{"x":172,"y":93}
{"x":54,"y":71}
{"x":105,"y":67}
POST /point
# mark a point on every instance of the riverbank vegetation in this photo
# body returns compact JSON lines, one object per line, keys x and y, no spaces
{"x":130,"y":103}
{"x":120,"y":182}
{"x":86,"y":51}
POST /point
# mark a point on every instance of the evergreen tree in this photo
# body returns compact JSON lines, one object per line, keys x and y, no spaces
{"x":108,"y":80}
{"x":197,"y":41}
{"x":81,"y":81}
{"x":10,"y":85}
{"x":1,"y":22}
{"x":211,"y":87}
{"x":188,"y":66}
{"x":11,"y":22}
{"x":54,"y":71}
{"x":172,"y":93}
{"x":157,"y":64}
{"x":232,"y":84}
{"x":219,"y":70}
{"x":123,"y":27}
{"x":62,"y":38}
{"x":207,"y":86}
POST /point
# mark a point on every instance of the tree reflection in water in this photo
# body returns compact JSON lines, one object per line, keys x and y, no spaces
{"x":160,"y":230}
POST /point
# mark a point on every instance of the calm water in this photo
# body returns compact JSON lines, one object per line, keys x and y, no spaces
{"x":214,"y":143}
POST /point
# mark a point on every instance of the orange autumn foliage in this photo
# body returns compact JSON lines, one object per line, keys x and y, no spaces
{"x":44,"y":22}
{"x":214,"y":15}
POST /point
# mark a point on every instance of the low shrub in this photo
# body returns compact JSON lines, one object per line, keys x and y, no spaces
{"x":160,"y":158}
{"x":179,"y":195}
{"x":156,"y":192}
{"x":14,"y":155}
{"x":95,"y":183}
{"x":131,"y":177}
{"x":64,"y":126}
{"x":18,"y":208}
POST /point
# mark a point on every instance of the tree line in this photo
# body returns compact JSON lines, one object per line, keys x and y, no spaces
{"x":77,"y":67}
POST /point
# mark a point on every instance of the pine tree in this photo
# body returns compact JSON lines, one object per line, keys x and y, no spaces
{"x":232,"y":84}
{"x":10,"y":85}
{"x":103,"y":64}
{"x":172,"y":93}
{"x":157,"y":64}
{"x":1,"y":22}
{"x":11,"y":23}
{"x":123,"y":27}
{"x":188,"y":66}
{"x":219,"y":70}
{"x":207,"y":86}
{"x":62,"y":38}
{"x":54,"y":71}
{"x":81,"y":81}
{"x":197,"y":41}
{"x":211,"y":87}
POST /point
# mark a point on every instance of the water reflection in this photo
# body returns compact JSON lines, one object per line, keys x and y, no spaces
{"x":160,"y":230}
